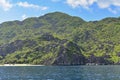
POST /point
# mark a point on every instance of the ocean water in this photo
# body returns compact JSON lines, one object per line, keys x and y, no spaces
{"x":60,"y":73}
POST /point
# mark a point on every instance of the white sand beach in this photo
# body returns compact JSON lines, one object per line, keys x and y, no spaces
{"x":19,"y":65}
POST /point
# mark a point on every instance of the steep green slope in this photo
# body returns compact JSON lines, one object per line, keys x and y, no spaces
{"x":60,"y":39}
{"x":46,"y":50}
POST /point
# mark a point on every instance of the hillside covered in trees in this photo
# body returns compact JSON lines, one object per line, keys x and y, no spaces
{"x":60,"y":39}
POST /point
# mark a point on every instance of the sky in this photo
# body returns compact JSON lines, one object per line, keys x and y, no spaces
{"x":89,"y":10}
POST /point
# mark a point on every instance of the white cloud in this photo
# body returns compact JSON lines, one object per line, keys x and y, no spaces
{"x":24,"y":16}
{"x":55,"y":0}
{"x":43,"y":8}
{"x":87,"y":3}
{"x":28,"y":5}
{"x":81,"y":3}
{"x":113,"y":11}
{"x":101,"y":4}
{"x":5,"y":4}
{"x":108,"y":3}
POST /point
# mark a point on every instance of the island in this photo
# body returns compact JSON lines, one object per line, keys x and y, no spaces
{"x":60,"y":39}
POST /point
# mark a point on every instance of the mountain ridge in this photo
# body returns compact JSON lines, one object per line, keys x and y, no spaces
{"x":60,"y":39}
{"x":64,"y":14}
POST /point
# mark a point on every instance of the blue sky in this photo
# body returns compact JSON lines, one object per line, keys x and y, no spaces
{"x":88,"y":10}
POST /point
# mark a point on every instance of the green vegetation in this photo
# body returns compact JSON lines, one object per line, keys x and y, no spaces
{"x":60,"y":39}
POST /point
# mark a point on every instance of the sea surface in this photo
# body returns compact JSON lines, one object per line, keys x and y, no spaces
{"x":60,"y":73}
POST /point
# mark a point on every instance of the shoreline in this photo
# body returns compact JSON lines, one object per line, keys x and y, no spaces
{"x":19,"y":65}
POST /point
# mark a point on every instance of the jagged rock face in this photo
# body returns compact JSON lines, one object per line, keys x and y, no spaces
{"x":58,"y":52}
{"x":67,"y":53}
{"x":48,"y":37}
{"x":14,"y":46}
{"x":70,"y":55}
{"x":65,"y":57}
{"x":103,"y":60}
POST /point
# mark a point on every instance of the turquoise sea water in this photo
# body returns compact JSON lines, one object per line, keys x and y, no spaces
{"x":60,"y":73}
